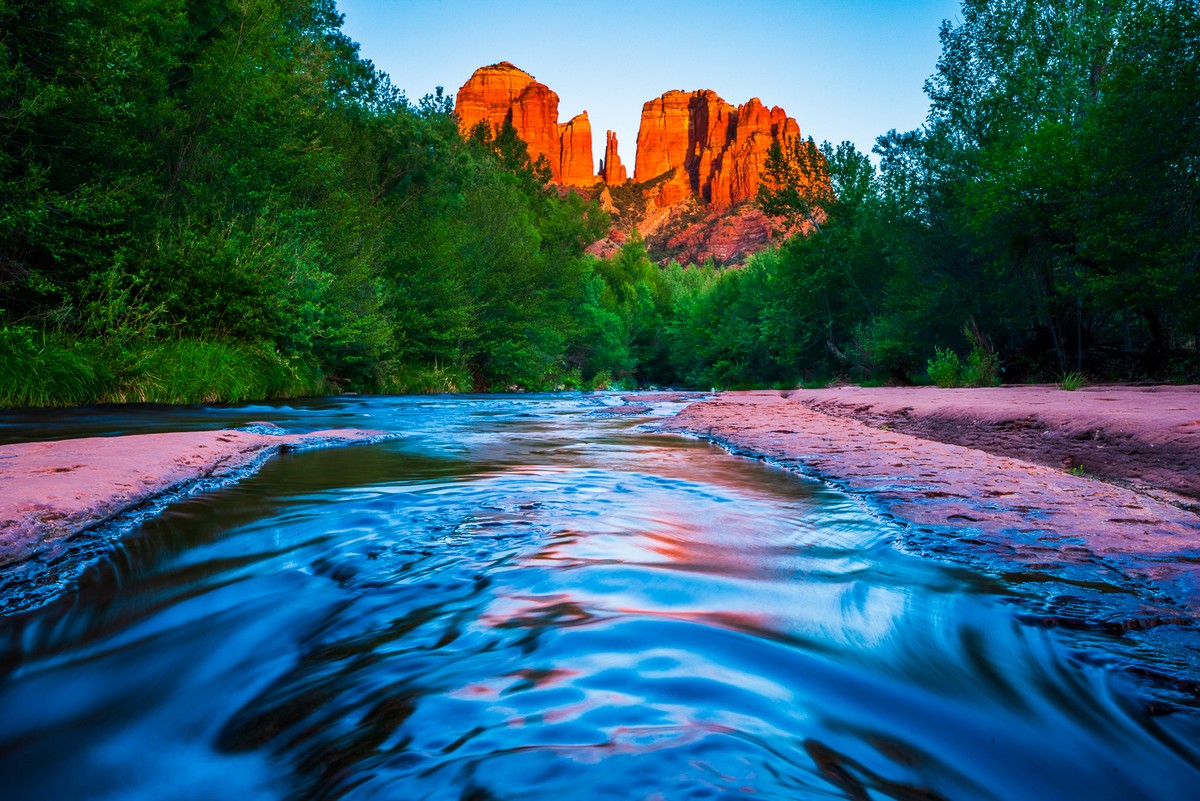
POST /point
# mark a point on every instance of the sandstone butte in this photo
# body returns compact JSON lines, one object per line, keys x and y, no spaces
{"x":503,"y":92}
{"x":706,"y":147}
{"x":691,"y":147}
{"x":710,"y":148}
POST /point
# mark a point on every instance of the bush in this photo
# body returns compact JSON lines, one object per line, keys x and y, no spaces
{"x":200,"y":371}
{"x":887,"y":349}
{"x":945,"y":368}
{"x":42,"y":369}
{"x":982,"y":369}
{"x":404,"y":379}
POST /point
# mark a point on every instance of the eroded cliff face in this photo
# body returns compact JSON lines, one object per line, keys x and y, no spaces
{"x":504,"y":92}
{"x":575,"y":149}
{"x":699,"y":160}
{"x":720,"y":149}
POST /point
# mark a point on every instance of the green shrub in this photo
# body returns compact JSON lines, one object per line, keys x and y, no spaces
{"x":887,"y":349}
{"x":982,"y":369}
{"x":200,"y":371}
{"x":600,"y":381}
{"x":406,"y":379}
{"x":983,"y":365}
{"x":945,"y":368}
{"x":41,"y":369}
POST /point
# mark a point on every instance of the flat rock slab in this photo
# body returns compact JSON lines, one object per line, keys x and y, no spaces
{"x":1076,"y":535}
{"x":625,"y":410}
{"x":1146,"y":437}
{"x":662,"y":397}
{"x":50,"y":491}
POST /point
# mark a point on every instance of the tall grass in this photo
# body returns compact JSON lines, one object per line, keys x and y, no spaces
{"x":197,"y":371}
{"x":40,"y":369}
{"x":1072,"y":381}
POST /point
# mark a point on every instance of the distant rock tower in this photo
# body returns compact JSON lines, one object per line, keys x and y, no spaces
{"x":612,"y":171}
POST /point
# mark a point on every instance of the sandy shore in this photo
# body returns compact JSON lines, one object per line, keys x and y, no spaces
{"x":1120,"y":555}
{"x":50,"y":491}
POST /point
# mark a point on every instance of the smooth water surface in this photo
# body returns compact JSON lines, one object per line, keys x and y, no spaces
{"x":523,"y":600}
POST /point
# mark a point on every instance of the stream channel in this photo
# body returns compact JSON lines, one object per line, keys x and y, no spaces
{"x":521,"y":598}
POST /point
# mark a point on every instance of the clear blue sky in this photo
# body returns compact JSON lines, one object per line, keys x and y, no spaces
{"x":845,"y":70}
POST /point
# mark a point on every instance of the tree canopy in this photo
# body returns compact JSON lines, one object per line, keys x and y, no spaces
{"x":222,"y":199}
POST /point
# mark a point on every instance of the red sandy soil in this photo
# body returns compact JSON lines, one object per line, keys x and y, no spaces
{"x":975,"y":504}
{"x":52,"y":490}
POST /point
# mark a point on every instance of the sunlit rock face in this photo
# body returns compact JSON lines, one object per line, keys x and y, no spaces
{"x":575,"y":147}
{"x":721,"y":149}
{"x":504,"y":92}
{"x":612,"y":171}
{"x":699,"y":161}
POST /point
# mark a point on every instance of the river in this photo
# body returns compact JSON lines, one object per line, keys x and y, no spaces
{"x":521,"y":598}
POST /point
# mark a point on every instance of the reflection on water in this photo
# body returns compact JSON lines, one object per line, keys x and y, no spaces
{"x":522,"y":601}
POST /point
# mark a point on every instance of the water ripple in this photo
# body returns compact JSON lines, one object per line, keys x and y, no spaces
{"x":522,"y":601}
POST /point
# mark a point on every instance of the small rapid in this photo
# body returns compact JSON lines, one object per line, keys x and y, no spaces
{"x":522,"y":598}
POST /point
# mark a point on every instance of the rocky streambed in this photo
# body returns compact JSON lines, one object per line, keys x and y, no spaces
{"x":538,"y":597}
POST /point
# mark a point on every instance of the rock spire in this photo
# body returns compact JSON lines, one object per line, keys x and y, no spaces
{"x":612,"y":171}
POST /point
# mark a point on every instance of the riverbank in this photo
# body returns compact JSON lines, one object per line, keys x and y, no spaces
{"x":1145,"y":438}
{"x":1119,"y":556}
{"x":50,"y":491}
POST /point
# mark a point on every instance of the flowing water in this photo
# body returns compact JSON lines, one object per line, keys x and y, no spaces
{"x":520,"y":599}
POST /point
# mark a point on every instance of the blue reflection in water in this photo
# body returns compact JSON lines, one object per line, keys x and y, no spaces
{"x":519,"y":600}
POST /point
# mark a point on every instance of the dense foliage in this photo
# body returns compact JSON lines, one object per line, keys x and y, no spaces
{"x":220,"y":199}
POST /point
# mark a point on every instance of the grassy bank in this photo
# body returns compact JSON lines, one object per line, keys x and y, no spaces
{"x":47,"y":370}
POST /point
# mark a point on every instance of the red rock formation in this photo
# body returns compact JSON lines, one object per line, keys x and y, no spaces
{"x":722,"y":149}
{"x":575,"y":149}
{"x":503,"y":92}
{"x":692,"y":147}
{"x":662,"y":142}
{"x":726,"y":235}
{"x":534,"y":116}
{"x":490,"y":94}
{"x":674,"y":189}
{"x":612,"y":171}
